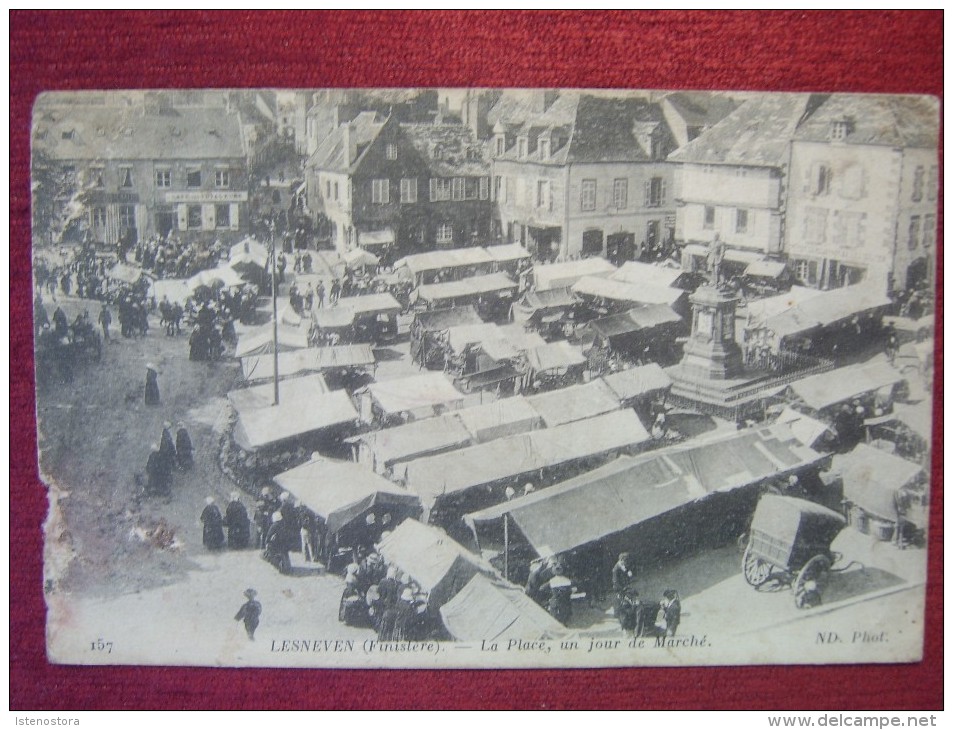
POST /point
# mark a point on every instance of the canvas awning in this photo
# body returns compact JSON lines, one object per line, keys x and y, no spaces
{"x":260,"y":341}
{"x":340,"y":491}
{"x":347,"y":309}
{"x":330,"y":318}
{"x":242,"y":261}
{"x":307,"y":413}
{"x":125,"y":272}
{"x":464,"y":336}
{"x":408,"y":394}
{"x":457,"y":471}
{"x":175,"y":290}
{"x":567,"y":273}
{"x":636,"y":272}
{"x":510,"y":342}
{"x":740,"y":256}
{"x":632,"y":490}
{"x":495,"y":611}
{"x":420,"y":263}
{"x":312,"y":359}
{"x":438,"y":564}
{"x":807,"y":430}
{"x":498,"y":283}
{"x":873,"y":479}
{"x":574,"y":403}
{"x":442,"y":319}
{"x":290,"y":390}
{"x":358,"y":257}
{"x":638,"y":382}
{"x":766,"y":268}
{"x":383,"y":237}
{"x":836,"y":386}
{"x":211,"y":277}
{"x":504,"y":417}
{"x":508,"y":252}
{"x":637,"y":319}
{"x":558,"y":356}
{"x":548,"y":299}
{"x":621,"y":291}
{"x":412,"y":440}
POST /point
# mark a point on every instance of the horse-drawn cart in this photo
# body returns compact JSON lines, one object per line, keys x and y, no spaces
{"x":790,"y":542}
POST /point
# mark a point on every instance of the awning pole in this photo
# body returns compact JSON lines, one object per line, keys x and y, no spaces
{"x":274,"y":306}
{"x":506,"y":547}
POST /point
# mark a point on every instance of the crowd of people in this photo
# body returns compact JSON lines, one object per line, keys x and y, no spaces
{"x":380,"y":596}
{"x":167,"y":257}
{"x":167,"y":456}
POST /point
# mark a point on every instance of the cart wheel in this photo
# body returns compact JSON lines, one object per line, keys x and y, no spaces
{"x":810,"y":582}
{"x":756,"y":570}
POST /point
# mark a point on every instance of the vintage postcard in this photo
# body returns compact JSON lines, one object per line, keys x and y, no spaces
{"x":484,"y":377}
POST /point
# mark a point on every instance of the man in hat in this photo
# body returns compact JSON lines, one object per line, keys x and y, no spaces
{"x":213,"y":536}
{"x":152,"y":385}
{"x":236,"y":522}
{"x":105,"y":319}
{"x":250,"y":613}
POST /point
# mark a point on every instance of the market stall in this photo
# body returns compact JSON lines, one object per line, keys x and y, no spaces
{"x":397,"y":401}
{"x":310,"y":360}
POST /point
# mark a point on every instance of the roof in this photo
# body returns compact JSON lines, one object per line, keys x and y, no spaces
{"x":574,"y":403}
{"x":260,"y":340}
{"x":441,"y":319}
{"x":461,"y":337}
{"x":515,"y":107}
{"x":348,"y":308}
{"x":340,"y":491}
{"x":510,"y":342}
{"x":567,"y":273}
{"x":309,"y":411}
{"x":418,"y":391}
{"x":757,"y":133}
{"x":764,"y":267}
{"x":457,"y":471}
{"x":341,"y":150}
{"x":835,"y":386}
{"x":436,"y":562}
{"x":801,"y":310}
{"x":312,"y":359}
{"x":416,"y":439}
{"x":507,"y":252}
{"x":635,"y":272}
{"x":876,"y":119}
{"x":873,"y":477}
{"x":290,"y":390}
{"x":357,"y":257}
{"x":211,"y":277}
{"x":555,"y":356}
{"x":606,"y":130}
{"x":380,"y":237}
{"x":502,"y":417}
{"x":807,"y":430}
{"x":622,"y":291}
{"x":109,"y":132}
{"x":495,"y":611}
{"x":635,"y":320}
{"x":700,"y":109}
{"x":469,"y":287}
{"x":450,"y":150}
{"x":631,"y":490}
{"x":548,"y":298}
{"x":638,"y":381}
{"x":448,"y":259}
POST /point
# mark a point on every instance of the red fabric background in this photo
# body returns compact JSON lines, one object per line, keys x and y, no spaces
{"x":782,"y":51}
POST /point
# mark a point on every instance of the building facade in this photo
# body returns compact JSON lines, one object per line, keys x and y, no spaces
{"x":863,"y":198}
{"x":131,"y":173}
{"x":418,"y":186}
{"x":579,"y":175}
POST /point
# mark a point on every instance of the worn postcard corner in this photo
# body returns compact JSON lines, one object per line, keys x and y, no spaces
{"x":484,"y":378}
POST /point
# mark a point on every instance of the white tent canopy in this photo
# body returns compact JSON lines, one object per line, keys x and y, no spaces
{"x":307,"y":413}
{"x":292,"y":390}
{"x":312,"y":359}
{"x":567,"y":273}
{"x":409,"y":394}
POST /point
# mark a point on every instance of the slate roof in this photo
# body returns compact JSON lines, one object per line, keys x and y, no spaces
{"x":758,"y":133}
{"x":701,"y":108}
{"x":92,"y":133}
{"x":333,"y":153}
{"x":893,"y":121}
{"x":445,"y":147}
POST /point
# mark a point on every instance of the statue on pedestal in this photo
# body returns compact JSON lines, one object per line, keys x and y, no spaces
{"x":716,"y":254}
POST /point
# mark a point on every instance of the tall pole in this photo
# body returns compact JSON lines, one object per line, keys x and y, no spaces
{"x":506,"y":546}
{"x":274,"y":306}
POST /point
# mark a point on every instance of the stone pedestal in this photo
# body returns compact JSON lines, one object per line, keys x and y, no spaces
{"x":711,"y":352}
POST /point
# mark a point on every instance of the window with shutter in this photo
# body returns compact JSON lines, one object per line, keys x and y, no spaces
{"x":913,"y":239}
{"x":484,"y":188}
{"x":588,"y":195}
{"x":380,"y":192}
{"x":741,"y":220}
{"x":620,"y":193}
{"x":408,"y":190}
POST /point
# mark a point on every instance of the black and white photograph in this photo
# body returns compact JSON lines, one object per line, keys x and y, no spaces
{"x":479,"y":378}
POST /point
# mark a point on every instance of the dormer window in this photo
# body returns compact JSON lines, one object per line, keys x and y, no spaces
{"x":544,"y":148}
{"x":500,"y":145}
{"x":840,"y":128}
{"x":522,"y":145}
{"x":68,"y":134}
{"x":391,"y":151}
